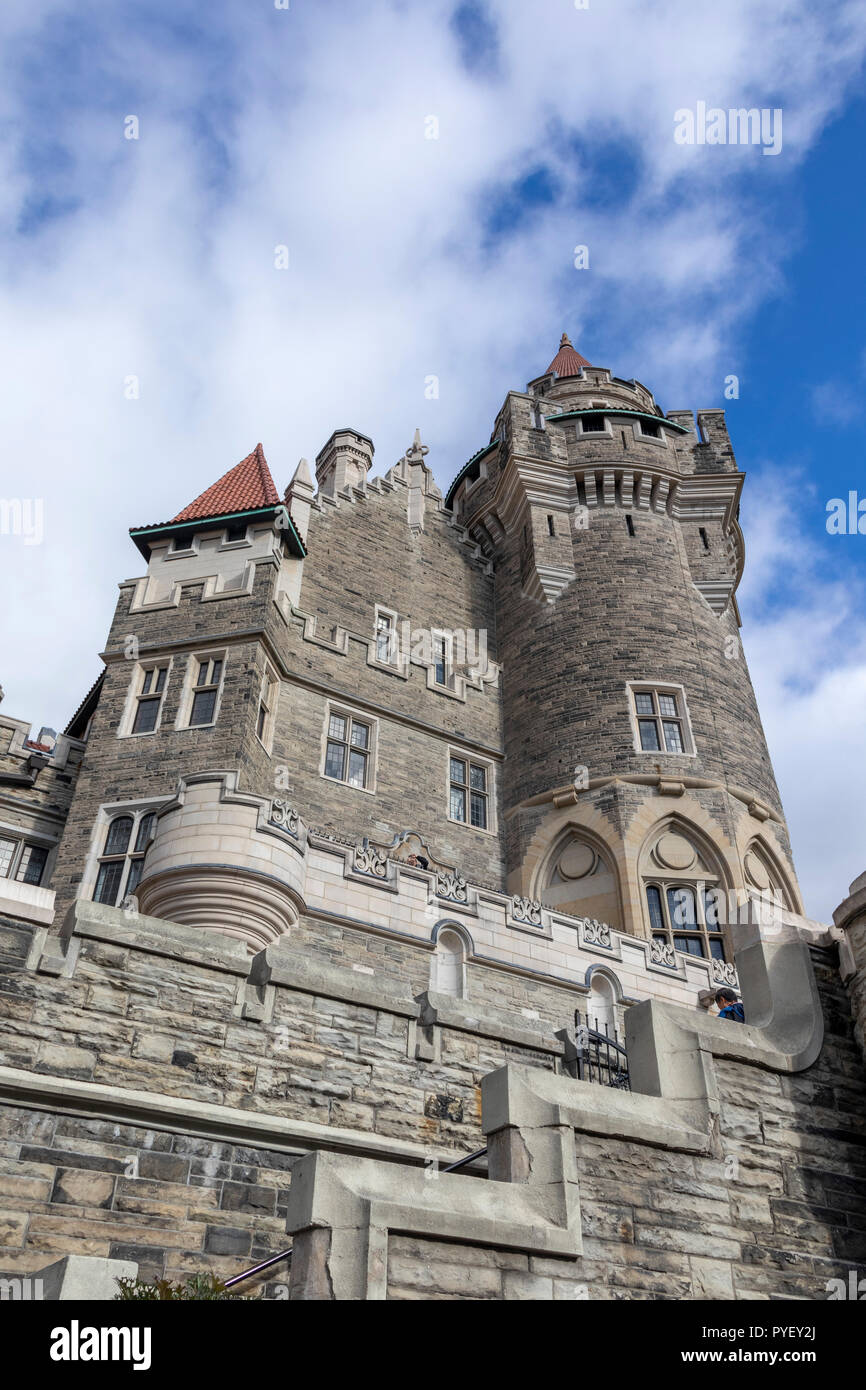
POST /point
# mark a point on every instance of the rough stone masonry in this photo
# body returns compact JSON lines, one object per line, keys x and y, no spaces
{"x":295,"y":914}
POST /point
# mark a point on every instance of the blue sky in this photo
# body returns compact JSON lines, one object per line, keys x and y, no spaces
{"x":453,"y":256}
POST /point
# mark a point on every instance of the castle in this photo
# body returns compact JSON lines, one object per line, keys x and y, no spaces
{"x":403,"y":831}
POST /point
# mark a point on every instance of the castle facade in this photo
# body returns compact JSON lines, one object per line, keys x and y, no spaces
{"x":402,"y":827}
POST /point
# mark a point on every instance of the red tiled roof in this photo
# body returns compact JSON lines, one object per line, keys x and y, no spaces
{"x":246,"y":486}
{"x":567,"y":362}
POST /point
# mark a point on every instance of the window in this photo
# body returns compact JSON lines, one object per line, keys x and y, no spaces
{"x":686,"y":916}
{"x":205,"y":691}
{"x":593,"y":424}
{"x":31,"y":865}
{"x":347,"y":750}
{"x":122,"y":858}
{"x":385,"y":636}
{"x":265,"y":717}
{"x":629,"y":523}
{"x":440,"y":660}
{"x":650,"y":429}
{"x":468,"y":793}
{"x":661,"y":720}
{"x":22,"y":861}
{"x":550,"y":528}
{"x":149,"y":699}
{"x":702,"y":532}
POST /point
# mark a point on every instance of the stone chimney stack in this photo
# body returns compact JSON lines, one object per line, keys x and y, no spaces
{"x":344,"y":462}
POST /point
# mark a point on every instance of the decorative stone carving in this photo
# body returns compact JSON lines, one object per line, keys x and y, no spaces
{"x":662,"y":954}
{"x":284,"y":816}
{"x":724,"y":973}
{"x":594,"y":933}
{"x":370,"y":860}
{"x":452,"y":886}
{"x":526,"y":910}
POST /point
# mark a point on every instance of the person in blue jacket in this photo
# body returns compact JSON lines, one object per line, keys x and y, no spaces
{"x":730,"y":1006}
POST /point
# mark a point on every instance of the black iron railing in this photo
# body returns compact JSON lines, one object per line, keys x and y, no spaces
{"x":600,"y":1055}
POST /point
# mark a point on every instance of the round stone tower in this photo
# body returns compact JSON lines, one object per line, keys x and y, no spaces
{"x":637,"y":784}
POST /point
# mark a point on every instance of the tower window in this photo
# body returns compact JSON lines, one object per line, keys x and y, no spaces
{"x":550,"y":526}
{"x":265,"y":716}
{"x":650,"y":429}
{"x":629,"y":523}
{"x":686,"y":916}
{"x":702,"y":532}
{"x":205,"y":691}
{"x":149,"y":699}
{"x":468,"y":793}
{"x":348,"y":750}
{"x":122,"y":858}
{"x":593,"y":424}
{"x":660,"y":719}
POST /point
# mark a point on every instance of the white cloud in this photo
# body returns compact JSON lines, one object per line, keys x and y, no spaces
{"x":807,"y":658}
{"x":306,"y":127}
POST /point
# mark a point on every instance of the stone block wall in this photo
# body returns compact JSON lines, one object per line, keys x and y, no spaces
{"x":154,"y":1105}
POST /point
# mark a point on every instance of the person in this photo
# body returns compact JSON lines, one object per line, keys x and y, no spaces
{"x":729,"y":1006}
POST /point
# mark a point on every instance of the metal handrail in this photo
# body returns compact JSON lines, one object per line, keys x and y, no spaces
{"x":462,"y":1162}
{"x":287,"y":1254}
{"x":257,"y":1269}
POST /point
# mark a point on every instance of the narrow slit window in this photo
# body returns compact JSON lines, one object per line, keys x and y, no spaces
{"x":629,"y":523}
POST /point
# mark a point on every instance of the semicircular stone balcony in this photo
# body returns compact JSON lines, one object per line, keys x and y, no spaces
{"x":225,"y":860}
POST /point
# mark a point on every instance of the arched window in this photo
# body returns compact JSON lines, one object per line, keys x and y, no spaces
{"x":685,"y":892}
{"x":122,"y":858}
{"x":448,"y":968}
{"x":689,"y":920}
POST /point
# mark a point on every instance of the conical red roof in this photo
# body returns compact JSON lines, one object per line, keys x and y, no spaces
{"x":567,"y":362}
{"x":246,"y":486}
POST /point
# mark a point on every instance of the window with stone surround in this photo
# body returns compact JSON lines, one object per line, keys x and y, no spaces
{"x":267,"y":710}
{"x":124,"y":846}
{"x":148,"y":701}
{"x":202,"y":690}
{"x":470,"y":790}
{"x":442,"y":658}
{"x":594,"y":424}
{"x":660,"y":719}
{"x":688,"y":917}
{"x":349,"y":748}
{"x":22,"y":861}
{"x":386,"y":636}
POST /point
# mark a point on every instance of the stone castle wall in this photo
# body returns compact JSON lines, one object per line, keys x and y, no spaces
{"x":155,"y":1103}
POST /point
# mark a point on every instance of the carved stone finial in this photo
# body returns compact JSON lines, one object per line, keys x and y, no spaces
{"x":416,"y":452}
